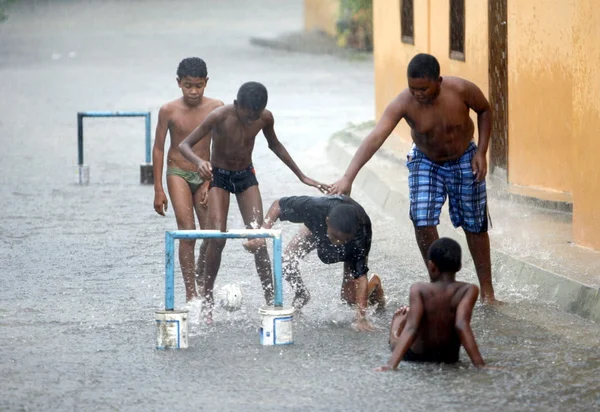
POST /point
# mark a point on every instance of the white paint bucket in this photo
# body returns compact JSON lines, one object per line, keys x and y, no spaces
{"x":83,"y":174}
{"x":172,"y":329}
{"x":277,"y":325}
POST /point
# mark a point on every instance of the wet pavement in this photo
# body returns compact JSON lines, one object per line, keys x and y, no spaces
{"x":82,"y":268}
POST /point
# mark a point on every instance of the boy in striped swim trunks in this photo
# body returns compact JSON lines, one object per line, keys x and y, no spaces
{"x":443,"y":161}
{"x":187,"y":190}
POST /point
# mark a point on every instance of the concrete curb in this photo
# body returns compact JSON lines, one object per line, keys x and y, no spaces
{"x":385,"y":180}
{"x":314,"y":42}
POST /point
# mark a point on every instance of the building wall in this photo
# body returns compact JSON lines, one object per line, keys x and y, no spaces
{"x":540,"y":135}
{"x":475,"y":66}
{"x":431,"y":29}
{"x":553,"y":111}
{"x":586,"y":123}
{"x":321,"y":15}
{"x":391,"y":57}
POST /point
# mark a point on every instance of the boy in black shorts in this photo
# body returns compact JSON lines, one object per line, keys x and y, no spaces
{"x":340,"y":230}
{"x":234,"y":128}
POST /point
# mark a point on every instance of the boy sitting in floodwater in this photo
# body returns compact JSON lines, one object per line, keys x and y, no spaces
{"x":438,"y":320}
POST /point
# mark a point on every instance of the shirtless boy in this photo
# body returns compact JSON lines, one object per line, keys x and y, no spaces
{"x":443,"y":161}
{"x":230,"y":171}
{"x":187,"y":190}
{"x":438,"y":320}
{"x":340,"y":230}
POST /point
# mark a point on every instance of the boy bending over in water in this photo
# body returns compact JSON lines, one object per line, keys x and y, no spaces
{"x":340,"y":230}
{"x":187,"y":189}
{"x":230,"y":171}
{"x":438,"y":320}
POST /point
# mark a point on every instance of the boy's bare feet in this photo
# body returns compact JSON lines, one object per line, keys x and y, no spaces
{"x":206,"y":314}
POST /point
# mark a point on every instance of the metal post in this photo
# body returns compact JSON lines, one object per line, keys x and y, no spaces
{"x":146,"y":171}
{"x":211,"y":234}
{"x":80,"y":139}
{"x":170,"y":271}
{"x":148,"y":137}
{"x":277,"y":282}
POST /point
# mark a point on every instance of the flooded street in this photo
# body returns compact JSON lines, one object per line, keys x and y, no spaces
{"x":82,"y":268}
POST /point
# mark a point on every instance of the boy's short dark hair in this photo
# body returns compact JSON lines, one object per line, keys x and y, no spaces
{"x":192,"y":67}
{"x":253,"y":96}
{"x":446,"y":254}
{"x":423,"y":66}
{"x":343,"y":217}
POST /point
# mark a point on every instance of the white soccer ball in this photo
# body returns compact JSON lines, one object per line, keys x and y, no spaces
{"x":230,"y":297}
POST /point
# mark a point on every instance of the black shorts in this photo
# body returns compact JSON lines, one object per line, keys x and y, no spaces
{"x":236,"y":181}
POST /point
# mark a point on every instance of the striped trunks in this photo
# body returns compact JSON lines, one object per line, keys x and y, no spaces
{"x":431,"y":182}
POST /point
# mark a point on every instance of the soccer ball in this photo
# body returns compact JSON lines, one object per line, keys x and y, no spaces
{"x":230,"y":297}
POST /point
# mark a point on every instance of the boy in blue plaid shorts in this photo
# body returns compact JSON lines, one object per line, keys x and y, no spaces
{"x":443,"y":162}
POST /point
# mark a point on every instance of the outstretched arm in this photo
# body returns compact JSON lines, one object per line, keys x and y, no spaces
{"x":270,"y":218}
{"x":394,"y":112}
{"x":361,"y":286}
{"x":198,"y":134}
{"x":279,"y":149}
{"x":410,"y":331}
{"x":272,"y":215}
{"x":158,"y":158}
{"x":463,"y":325}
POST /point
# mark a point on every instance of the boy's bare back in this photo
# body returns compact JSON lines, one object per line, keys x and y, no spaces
{"x":181,"y":120}
{"x":438,"y":319}
{"x":233,"y":142}
{"x":437,"y":330}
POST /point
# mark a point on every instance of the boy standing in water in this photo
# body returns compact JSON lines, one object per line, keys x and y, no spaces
{"x":187,"y":190}
{"x":443,"y":162}
{"x":438,"y":320}
{"x":230,"y":171}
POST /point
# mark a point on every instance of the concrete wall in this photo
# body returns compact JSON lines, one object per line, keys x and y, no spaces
{"x":391,"y":56}
{"x":432,"y":28}
{"x":540,"y":136}
{"x":553,"y":111}
{"x":321,"y":15}
{"x":586,"y":123}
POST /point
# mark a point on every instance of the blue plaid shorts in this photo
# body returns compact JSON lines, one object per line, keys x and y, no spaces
{"x":429,"y":183}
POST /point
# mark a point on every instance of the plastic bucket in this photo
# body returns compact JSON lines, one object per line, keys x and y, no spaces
{"x":172,"y":329}
{"x":277,"y":326}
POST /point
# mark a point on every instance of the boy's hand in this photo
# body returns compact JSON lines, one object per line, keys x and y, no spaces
{"x":479,"y":165}
{"x":341,"y":187}
{"x":160,"y":203}
{"x":253,"y":245}
{"x":204,"y":194}
{"x":383,"y":368}
{"x":311,"y":182}
{"x":205,"y":170}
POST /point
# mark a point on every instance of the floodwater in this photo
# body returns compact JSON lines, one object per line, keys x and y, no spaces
{"x":82,"y":268}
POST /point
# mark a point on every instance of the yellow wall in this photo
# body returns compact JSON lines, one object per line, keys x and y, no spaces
{"x":539,"y":88}
{"x":475,"y":66}
{"x":391,"y":56}
{"x":321,"y":15}
{"x":431,"y":23}
{"x":553,"y":112}
{"x":586,"y":123}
